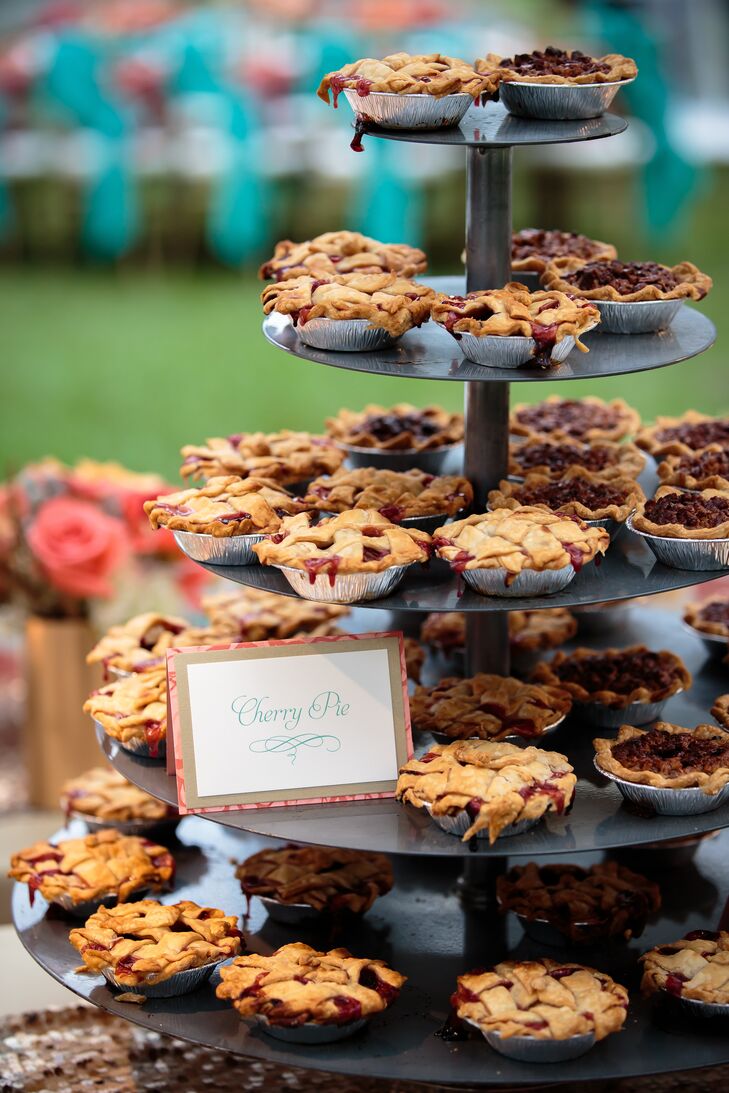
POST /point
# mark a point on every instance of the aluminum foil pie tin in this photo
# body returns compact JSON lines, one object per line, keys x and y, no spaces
{"x":310,"y":1033}
{"x":443,"y":738}
{"x":430,"y":460}
{"x":179,"y":983}
{"x":696,"y":554}
{"x":393,"y":111}
{"x":716,"y":644}
{"x":290,"y":914}
{"x":504,"y":352}
{"x":635,"y":713}
{"x":530,"y":582}
{"x":220,"y":549}
{"x":344,"y":335}
{"x":636,"y":316}
{"x":693,"y":1007}
{"x":546,"y":933}
{"x":127,"y":827}
{"x":559,"y":102}
{"x":347,"y":587}
{"x":668,"y":802}
{"x":461,"y":821}
{"x":530,"y":1049}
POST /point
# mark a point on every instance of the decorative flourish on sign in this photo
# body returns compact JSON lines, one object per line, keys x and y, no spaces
{"x":289,"y":745}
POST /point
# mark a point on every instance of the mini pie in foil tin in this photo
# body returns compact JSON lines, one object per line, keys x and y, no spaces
{"x":558,"y":102}
{"x":696,"y":554}
{"x":530,"y":1049}
{"x":344,"y":335}
{"x":636,"y":316}
{"x":530,"y":582}
{"x":665,"y":801}
{"x":393,"y":111}
{"x":604,"y":717}
{"x":138,"y":747}
{"x":347,"y":587}
{"x":218,"y":549}
{"x":716,"y":644}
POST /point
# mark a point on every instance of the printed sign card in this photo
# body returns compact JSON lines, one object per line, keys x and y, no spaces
{"x":288,"y":722}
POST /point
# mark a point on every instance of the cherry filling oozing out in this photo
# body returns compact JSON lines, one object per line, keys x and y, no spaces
{"x":369,"y":978}
{"x":360,"y":128}
{"x":349,"y":1009}
{"x":329,"y":565}
{"x":125,"y":966}
{"x":153,"y":733}
{"x":545,"y":338}
{"x":549,"y":788}
{"x":360,"y":84}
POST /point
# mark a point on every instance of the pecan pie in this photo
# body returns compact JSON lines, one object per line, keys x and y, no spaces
{"x":695,"y":967}
{"x":532,"y":249}
{"x":297,"y":985}
{"x":360,"y":541}
{"x":250,"y":614}
{"x":585,"y":905}
{"x":386,"y":300}
{"x":528,"y":630}
{"x":285,"y":457}
{"x":626,"y":282}
{"x":710,"y":616}
{"x":577,"y":493}
{"x":720,"y":711}
{"x":553,"y":458}
{"x":148,"y":942}
{"x":558,"y":66}
{"x":133,"y":710}
{"x":105,"y":795}
{"x":585,"y":420}
{"x":398,"y":428}
{"x":668,"y":756}
{"x":138,"y":644}
{"x":225,"y":506}
{"x":407,"y":74}
{"x":107,"y":864}
{"x":543,"y":999}
{"x":676,"y":514}
{"x":528,"y":538}
{"x":336,"y":253}
{"x":322,"y":877}
{"x":496,"y":784}
{"x":396,"y":495}
{"x":707,"y":469}
{"x":488,"y":707}
{"x":684,"y":435}
{"x":616,"y":677}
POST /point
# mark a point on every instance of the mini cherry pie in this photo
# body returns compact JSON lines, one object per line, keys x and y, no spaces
{"x":323,"y":878}
{"x":396,"y":495}
{"x":250,"y":614}
{"x":684,"y":435}
{"x":576,"y":493}
{"x":616,"y":678}
{"x":337,"y":253}
{"x":553,"y":458}
{"x":532,"y":249}
{"x":402,"y":427}
{"x":285,"y":457}
{"x":407,"y":74}
{"x":696,"y":967}
{"x":626,"y":282}
{"x":225,"y":506}
{"x":138,"y":644}
{"x":680,"y":514}
{"x":104,"y":795}
{"x":585,"y":420}
{"x":558,"y":66}
{"x":133,"y":710}
{"x":296,"y":985}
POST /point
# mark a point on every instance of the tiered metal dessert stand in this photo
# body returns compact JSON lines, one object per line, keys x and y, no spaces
{"x":422,"y":927}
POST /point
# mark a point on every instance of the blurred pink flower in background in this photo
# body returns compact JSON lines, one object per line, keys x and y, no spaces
{"x":78,"y":546}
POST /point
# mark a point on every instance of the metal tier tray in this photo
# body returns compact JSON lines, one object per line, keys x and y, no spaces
{"x":430,"y":353}
{"x":420,"y":929}
{"x":599,"y":819}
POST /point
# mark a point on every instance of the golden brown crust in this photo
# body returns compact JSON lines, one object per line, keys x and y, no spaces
{"x":225,"y":506}
{"x":103,"y":794}
{"x":500,"y":783}
{"x":691,"y":283}
{"x":141,"y":642}
{"x":710,"y":783}
{"x":93,"y":867}
{"x":528,"y":630}
{"x":337,"y":253}
{"x":387,"y":301}
{"x":402,"y":427}
{"x":644,"y":518}
{"x":297,"y":985}
{"x":250,"y":614}
{"x":720,"y":711}
{"x":601,"y":675}
{"x":536,"y":998}
{"x":576,"y":493}
{"x":408,"y":74}
{"x":285,"y":457}
{"x":684,"y":435}
{"x":699,"y":616}
{"x":696,"y":966}
{"x":554,"y":458}
{"x":532,"y":249}
{"x":396,"y":495}
{"x":552,"y":67}
{"x":132,"y":710}
{"x":586,"y":419}
{"x":488,"y":707}
{"x":324,"y":878}
{"x":707,"y":469}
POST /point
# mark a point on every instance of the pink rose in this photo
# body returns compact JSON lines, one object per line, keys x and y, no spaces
{"x":77,"y":546}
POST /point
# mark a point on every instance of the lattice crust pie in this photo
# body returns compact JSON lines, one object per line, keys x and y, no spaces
{"x":528,"y":538}
{"x":137,"y":644}
{"x":616,"y":677}
{"x":577,"y":493}
{"x":553,"y":458}
{"x":528,"y":630}
{"x":704,"y":470}
{"x":250,"y":614}
{"x":543,"y":999}
{"x":148,"y":942}
{"x":107,"y":864}
{"x":408,"y":74}
{"x":710,"y":616}
{"x":533,"y":249}
{"x":360,"y":541}
{"x":514,"y":311}
{"x":720,"y":710}
{"x":626,"y":282}
{"x":386,"y":300}
{"x":103,"y":794}
{"x":400,"y":428}
{"x":489,"y":707}
{"x":677,"y":514}
{"x":133,"y":710}
{"x":322,"y":877}
{"x":558,"y":66}
{"x":606,"y":900}
{"x":336,"y":253}
{"x":585,"y":420}
{"x":498,"y":784}
{"x":396,"y":495}
{"x":284,"y":457}
{"x":225,"y":506}
{"x":296,"y":985}
{"x":696,"y":966}
{"x":668,"y":756}
{"x":684,"y":435}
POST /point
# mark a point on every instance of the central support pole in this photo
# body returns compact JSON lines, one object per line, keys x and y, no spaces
{"x":488,"y":265}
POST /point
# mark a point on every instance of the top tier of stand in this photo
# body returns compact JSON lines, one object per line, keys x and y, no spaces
{"x":491,"y":126}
